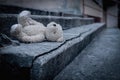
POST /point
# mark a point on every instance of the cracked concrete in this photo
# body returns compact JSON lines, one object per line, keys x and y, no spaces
{"x":25,"y":53}
{"x":100,"y":60}
{"x":50,"y":57}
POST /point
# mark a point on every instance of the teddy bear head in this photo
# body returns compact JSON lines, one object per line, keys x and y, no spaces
{"x":53,"y":26}
{"x":54,"y":32}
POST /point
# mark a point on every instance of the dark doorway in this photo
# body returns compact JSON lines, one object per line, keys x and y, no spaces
{"x":119,"y":16}
{"x":96,"y":19}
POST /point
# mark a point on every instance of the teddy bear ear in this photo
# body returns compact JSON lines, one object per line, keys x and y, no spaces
{"x":50,"y":24}
{"x":54,"y":25}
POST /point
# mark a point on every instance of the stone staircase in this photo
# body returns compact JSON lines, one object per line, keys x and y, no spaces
{"x":43,"y":61}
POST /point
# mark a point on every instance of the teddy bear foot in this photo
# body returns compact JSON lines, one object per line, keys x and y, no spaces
{"x":60,"y":39}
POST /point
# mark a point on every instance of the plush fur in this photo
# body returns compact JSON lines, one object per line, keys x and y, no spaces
{"x":27,"y":29}
{"x":15,"y":30}
{"x":31,"y":33}
{"x":54,"y":32}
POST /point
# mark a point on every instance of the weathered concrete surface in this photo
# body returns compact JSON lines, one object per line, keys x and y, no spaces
{"x":65,"y":6}
{"x":10,"y":9}
{"x":26,"y":52}
{"x":48,"y":66}
{"x":7,"y":20}
{"x":44,"y":60}
{"x":99,"y":61}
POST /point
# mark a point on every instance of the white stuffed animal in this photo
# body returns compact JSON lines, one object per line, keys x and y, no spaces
{"x":27,"y":29}
{"x":31,"y":33}
{"x":54,"y":32}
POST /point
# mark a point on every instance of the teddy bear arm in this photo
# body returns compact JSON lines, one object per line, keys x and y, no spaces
{"x":60,"y":39}
{"x":32,"y":22}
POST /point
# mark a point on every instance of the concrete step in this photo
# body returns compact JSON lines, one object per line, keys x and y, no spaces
{"x":43,"y":61}
{"x":11,"y":9}
{"x":100,"y":60}
{"x":7,"y":20}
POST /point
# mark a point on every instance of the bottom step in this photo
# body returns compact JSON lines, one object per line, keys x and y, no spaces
{"x":100,"y":60}
{"x":43,"y":61}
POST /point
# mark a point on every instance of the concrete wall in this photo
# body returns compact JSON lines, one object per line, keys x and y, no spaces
{"x":112,"y":16}
{"x":88,"y":7}
{"x":67,"y":6}
{"x":76,"y":7}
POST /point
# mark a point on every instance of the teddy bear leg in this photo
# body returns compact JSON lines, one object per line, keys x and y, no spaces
{"x":15,"y":30}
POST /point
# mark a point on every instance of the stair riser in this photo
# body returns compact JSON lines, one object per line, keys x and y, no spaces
{"x":49,"y":69}
{"x":6,"y":21}
{"x":31,"y":60}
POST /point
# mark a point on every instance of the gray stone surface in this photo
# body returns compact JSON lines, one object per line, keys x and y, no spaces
{"x":10,"y":9}
{"x":25,"y":53}
{"x":46,"y":59}
{"x":48,"y":66}
{"x":98,"y":61}
{"x":65,"y":6}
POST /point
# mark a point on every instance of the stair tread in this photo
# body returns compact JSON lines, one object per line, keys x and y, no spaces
{"x":45,"y":60}
{"x":100,"y":60}
{"x":25,"y":53}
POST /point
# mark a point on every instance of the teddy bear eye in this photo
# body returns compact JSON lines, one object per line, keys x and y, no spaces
{"x":54,"y":24}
